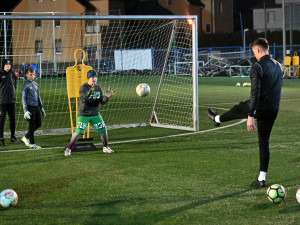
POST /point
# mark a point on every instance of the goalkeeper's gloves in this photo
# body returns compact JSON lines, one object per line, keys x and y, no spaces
{"x":27,"y":115}
{"x":43,"y":112}
{"x":110,"y":92}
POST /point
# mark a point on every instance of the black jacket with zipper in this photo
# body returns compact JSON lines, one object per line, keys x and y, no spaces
{"x":266,"y":80}
{"x":8,"y":84}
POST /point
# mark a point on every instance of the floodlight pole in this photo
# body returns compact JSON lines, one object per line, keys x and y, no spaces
{"x":245,"y":30}
{"x":54,"y":45}
{"x":5,"y":36}
{"x":283,"y":31}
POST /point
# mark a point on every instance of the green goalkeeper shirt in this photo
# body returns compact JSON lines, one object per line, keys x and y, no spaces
{"x":89,"y":99}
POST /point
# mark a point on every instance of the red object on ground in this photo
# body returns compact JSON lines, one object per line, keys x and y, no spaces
{"x":16,"y":73}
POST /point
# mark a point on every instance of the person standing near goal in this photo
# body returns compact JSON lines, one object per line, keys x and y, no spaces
{"x":266,"y":81}
{"x":32,"y":105}
{"x":90,"y":95}
{"x":8,"y":85}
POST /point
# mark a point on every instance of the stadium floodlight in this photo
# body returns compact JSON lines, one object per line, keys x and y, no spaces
{"x":245,"y":30}
{"x":125,"y":50}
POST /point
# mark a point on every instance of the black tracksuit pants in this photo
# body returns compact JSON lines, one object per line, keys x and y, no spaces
{"x":34,"y":122}
{"x":265,"y":120}
{"x":10,"y":109}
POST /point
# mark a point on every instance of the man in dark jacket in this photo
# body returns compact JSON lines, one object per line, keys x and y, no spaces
{"x":266,"y":81}
{"x":8,"y":84}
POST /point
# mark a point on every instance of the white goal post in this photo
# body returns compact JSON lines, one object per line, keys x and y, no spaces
{"x":125,"y":51}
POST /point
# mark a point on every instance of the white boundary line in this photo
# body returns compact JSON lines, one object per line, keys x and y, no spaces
{"x":137,"y":140}
{"x":156,"y":138}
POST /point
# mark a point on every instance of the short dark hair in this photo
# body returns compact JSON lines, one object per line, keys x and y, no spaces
{"x":29,"y":70}
{"x":262,"y":42}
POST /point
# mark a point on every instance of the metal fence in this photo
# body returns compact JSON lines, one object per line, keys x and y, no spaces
{"x":275,"y":50}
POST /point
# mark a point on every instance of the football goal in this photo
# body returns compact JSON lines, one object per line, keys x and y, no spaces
{"x":125,"y":50}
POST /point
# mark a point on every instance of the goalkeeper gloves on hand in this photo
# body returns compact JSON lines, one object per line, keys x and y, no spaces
{"x":110,"y":92}
{"x":27,"y":115}
{"x":43,"y":112}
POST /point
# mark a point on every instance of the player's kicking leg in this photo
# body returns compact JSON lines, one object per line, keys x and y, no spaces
{"x":239,"y":111}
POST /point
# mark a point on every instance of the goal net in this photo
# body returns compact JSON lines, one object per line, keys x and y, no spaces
{"x":125,"y":51}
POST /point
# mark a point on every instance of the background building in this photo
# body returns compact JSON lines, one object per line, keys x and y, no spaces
{"x":268,"y":15}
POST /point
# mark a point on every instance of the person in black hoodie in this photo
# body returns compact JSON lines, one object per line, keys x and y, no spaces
{"x":8,"y":84}
{"x":266,"y":82}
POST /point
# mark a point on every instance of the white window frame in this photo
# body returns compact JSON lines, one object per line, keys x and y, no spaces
{"x":58,"y":49}
{"x":38,"y":24}
{"x":38,"y":50}
{"x":220,"y":7}
{"x":57,"y":21}
{"x":271,"y":16}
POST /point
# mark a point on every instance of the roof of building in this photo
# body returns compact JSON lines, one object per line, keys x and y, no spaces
{"x":8,"y":6}
{"x":269,"y":4}
{"x":196,"y":2}
{"x":12,"y":4}
{"x":146,"y":8}
{"x":87,"y":5}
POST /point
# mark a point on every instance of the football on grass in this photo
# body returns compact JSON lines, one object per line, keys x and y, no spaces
{"x":8,"y":198}
{"x":298,"y":195}
{"x":142,"y":90}
{"x":276,"y":193}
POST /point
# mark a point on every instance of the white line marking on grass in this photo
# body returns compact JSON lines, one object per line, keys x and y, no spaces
{"x":142,"y":139}
{"x":179,"y":135}
{"x":234,"y":103}
{"x":204,"y":106}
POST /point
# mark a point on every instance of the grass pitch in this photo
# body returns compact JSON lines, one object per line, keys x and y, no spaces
{"x":200,"y":178}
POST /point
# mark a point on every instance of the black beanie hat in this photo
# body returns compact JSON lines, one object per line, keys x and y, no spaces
{"x":6,"y":61}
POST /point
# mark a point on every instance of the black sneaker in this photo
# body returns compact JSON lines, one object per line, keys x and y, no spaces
{"x":2,"y":142}
{"x":14,"y":140}
{"x":211,"y":115}
{"x":258,"y":183}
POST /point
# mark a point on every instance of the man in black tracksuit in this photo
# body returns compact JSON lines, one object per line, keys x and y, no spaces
{"x":8,"y":84}
{"x":266,"y":81}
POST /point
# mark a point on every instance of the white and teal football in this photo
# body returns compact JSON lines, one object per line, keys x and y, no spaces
{"x":276,"y":193}
{"x":142,"y":90}
{"x":298,"y":195}
{"x":8,"y":198}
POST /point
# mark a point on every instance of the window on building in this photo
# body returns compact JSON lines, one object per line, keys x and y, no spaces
{"x":271,"y":17}
{"x":169,"y":2}
{"x":58,"y":47}
{"x":296,"y":17}
{"x":38,"y":23}
{"x":208,"y":28}
{"x":38,"y":46}
{"x":57,"y":23}
{"x":220,"y":7}
{"x":91,"y":26}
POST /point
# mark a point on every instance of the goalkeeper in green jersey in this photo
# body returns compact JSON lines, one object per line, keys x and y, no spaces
{"x":90,"y":95}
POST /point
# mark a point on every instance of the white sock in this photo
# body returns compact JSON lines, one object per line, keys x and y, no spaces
{"x":262,"y":175}
{"x":217,"y":119}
